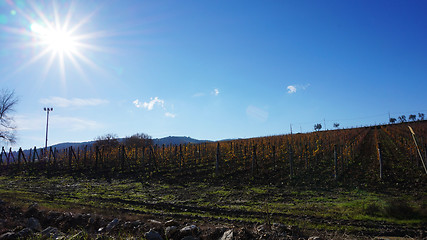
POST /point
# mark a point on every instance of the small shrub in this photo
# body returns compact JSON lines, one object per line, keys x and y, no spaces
{"x":400,"y":209}
{"x":373,"y":209}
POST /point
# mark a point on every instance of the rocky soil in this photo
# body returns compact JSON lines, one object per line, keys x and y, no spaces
{"x":35,"y":223}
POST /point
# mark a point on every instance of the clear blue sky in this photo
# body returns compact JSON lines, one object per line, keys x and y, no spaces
{"x":210,"y":69}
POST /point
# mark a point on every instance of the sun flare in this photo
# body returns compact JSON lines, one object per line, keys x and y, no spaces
{"x":57,"y":35}
{"x":57,"y":40}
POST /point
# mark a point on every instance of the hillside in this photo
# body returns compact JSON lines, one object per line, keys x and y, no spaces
{"x":171,"y":140}
{"x":361,"y":182}
{"x":358,"y":156}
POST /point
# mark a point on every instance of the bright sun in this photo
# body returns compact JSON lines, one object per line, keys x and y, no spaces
{"x":57,"y":40}
{"x":56,"y":33}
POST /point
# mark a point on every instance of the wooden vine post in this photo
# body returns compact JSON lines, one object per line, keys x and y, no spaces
{"x":19,"y":156}
{"x":136,"y":154}
{"x":425,"y":151}
{"x":217,"y":160}
{"x":143,"y":156}
{"x":180,"y":156}
{"x":254,"y":160}
{"x":380,"y":160}
{"x":11,"y":155}
{"x":84,"y":156}
{"x":163,"y":155}
{"x":200,"y":153}
{"x":418,"y":149}
{"x":96,"y":156}
{"x":54,"y":157}
{"x":154,"y":150}
{"x":70,"y":155}
{"x":34,"y":155}
{"x":1,"y":155}
{"x":291,"y":162}
{"x":335,"y":163}
{"x":274,"y":157}
{"x":306,"y":156}
{"x":122,"y":156}
{"x":150,"y":160}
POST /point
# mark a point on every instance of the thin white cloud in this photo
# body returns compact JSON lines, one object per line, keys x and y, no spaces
{"x":29,"y":123}
{"x":149,"y":105}
{"x":200,"y":94}
{"x":170,"y":115}
{"x":74,"y":102}
{"x":24,"y":122}
{"x":304,"y":87}
{"x":257,"y":113}
{"x":293,"y":88}
{"x":215,"y":92}
{"x":74,"y":124}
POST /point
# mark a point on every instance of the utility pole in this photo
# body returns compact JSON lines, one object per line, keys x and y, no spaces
{"x":47,"y":123}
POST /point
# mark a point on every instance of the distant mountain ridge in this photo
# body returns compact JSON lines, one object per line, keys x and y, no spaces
{"x":171,"y":140}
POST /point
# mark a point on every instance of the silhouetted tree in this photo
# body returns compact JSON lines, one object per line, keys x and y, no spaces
{"x":336,"y":125}
{"x":421,"y":116}
{"x":108,"y":140}
{"x":393,"y":120}
{"x":7,"y":104}
{"x":317,"y":126}
{"x":139,"y":140}
{"x":412,"y":117}
{"x":402,"y":118}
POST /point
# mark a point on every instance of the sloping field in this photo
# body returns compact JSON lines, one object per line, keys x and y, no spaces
{"x":364,"y":182}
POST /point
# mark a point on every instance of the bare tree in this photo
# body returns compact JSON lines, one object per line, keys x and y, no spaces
{"x":317,"y":126}
{"x":402,"y":118}
{"x":8,"y":101}
{"x":108,"y":140}
{"x":139,"y":140}
{"x":421,"y":116}
{"x":412,"y":117}
{"x":393,"y":120}
{"x":336,"y":125}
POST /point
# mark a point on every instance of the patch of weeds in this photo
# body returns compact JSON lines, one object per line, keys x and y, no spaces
{"x":372,"y":209}
{"x":319,"y":199}
{"x":400,"y":209}
{"x":202,"y":185}
{"x":258,"y":190}
{"x":168,"y":197}
{"x":221,"y":192}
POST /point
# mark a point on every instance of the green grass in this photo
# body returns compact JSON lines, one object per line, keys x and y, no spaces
{"x":336,"y":204}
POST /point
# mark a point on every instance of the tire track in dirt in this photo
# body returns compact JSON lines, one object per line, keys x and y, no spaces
{"x":372,"y":227}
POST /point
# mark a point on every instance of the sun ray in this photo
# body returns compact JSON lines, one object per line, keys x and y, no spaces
{"x":56,"y":15}
{"x":53,"y":32}
{"x":20,"y":11}
{"x":48,"y":65}
{"x":32,"y":60}
{"x":91,"y":64}
{"x":91,"y":47}
{"x":62,"y":68}
{"x":88,"y":61}
{"x":17,"y":31}
{"x":78,"y":67}
{"x":41,"y":15}
{"x":68,"y":16}
{"x":82,"y":22}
